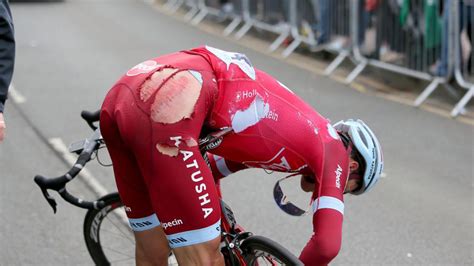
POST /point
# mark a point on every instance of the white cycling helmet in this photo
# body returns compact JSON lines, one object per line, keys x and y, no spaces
{"x":369,"y":148}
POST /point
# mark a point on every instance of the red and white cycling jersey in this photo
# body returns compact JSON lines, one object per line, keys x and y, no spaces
{"x":273,"y":129}
{"x":276,"y":130}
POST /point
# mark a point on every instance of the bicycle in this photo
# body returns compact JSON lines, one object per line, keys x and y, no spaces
{"x":106,"y":228}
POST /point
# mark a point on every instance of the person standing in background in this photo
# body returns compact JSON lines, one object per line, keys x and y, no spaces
{"x":7,"y":58}
{"x":226,"y":6}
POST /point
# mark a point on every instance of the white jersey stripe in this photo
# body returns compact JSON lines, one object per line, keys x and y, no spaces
{"x":221,"y":166}
{"x":326,"y":202}
{"x":194,"y":236}
{"x":145,"y":223}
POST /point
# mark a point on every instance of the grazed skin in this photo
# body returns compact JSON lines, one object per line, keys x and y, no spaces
{"x":175,"y":100}
{"x":177,"y":94}
{"x":152,"y":84}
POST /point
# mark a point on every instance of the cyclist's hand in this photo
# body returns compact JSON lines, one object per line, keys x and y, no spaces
{"x":307,"y":183}
{"x":2,"y":127}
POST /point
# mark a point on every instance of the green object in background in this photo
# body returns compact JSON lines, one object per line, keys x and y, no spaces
{"x":404,"y":11}
{"x":432,"y":24}
{"x":432,"y":30}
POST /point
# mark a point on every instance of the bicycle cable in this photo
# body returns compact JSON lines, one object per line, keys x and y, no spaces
{"x":98,"y":157}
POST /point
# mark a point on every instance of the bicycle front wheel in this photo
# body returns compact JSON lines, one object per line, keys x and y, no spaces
{"x":108,"y":236}
{"x":259,"y":250}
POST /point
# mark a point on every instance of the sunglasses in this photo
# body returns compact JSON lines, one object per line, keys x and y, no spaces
{"x":282,"y":201}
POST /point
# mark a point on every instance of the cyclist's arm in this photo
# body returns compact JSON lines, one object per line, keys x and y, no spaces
{"x":328,"y":208}
{"x":307,"y":183}
{"x":222,"y":167}
{"x":325,"y":242}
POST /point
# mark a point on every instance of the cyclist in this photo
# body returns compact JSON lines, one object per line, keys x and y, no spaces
{"x":153,"y":116}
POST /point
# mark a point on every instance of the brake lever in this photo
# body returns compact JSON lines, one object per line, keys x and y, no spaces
{"x":49,"y":199}
{"x":57,"y":185}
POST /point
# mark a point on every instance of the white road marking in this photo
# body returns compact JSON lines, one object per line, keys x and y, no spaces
{"x":16,"y":95}
{"x":59,"y":145}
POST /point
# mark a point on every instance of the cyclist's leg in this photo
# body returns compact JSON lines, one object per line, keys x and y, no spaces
{"x":132,"y":189}
{"x":152,"y":241}
{"x":206,"y":253}
{"x":187,"y":204}
{"x":180,"y":185}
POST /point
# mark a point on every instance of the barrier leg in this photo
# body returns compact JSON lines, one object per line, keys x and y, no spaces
{"x":200,"y":16}
{"x":460,"y":105}
{"x":169,"y":4}
{"x":427,"y":92}
{"x":353,"y":75}
{"x":279,"y":41}
{"x":335,"y":63}
{"x":294,"y":44}
{"x":175,"y":6}
{"x":451,"y":91}
{"x":191,"y":13}
{"x":232,"y":26}
{"x":245,"y":28}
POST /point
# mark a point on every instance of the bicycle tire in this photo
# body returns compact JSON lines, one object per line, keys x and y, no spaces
{"x":118,"y":250}
{"x":93,"y":225}
{"x":257,"y":250}
{"x":253,"y":247}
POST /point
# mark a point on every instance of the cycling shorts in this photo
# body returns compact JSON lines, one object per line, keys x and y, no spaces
{"x":151,"y":121}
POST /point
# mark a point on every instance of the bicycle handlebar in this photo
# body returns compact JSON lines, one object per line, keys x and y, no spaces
{"x":59,"y":183}
{"x":91,"y":118}
{"x":87,"y":148}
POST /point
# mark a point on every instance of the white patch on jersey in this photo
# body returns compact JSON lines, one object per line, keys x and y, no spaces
{"x":257,"y":110}
{"x":332,"y":132}
{"x":238,"y":59}
{"x":197,"y":75}
{"x":283,"y":85}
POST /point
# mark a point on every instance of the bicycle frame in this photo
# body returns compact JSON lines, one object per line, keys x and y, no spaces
{"x":232,"y":234}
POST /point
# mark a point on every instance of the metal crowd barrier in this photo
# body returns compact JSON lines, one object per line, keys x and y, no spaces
{"x":407,"y":37}
{"x":317,"y":24}
{"x":199,"y":9}
{"x":463,"y":20}
{"x":408,"y":40}
{"x":295,"y":21}
{"x":267,"y":15}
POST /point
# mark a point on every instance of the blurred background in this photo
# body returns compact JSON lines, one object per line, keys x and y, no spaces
{"x":404,"y":67}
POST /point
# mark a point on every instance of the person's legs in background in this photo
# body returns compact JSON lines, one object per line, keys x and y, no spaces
{"x":467,"y":10}
{"x":442,"y":66}
{"x":323,"y":26}
{"x":227,"y":6}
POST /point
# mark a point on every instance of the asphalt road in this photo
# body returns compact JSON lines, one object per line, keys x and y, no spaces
{"x":68,"y":55}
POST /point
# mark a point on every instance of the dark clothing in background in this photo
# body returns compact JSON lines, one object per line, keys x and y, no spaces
{"x":7,"y":51}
